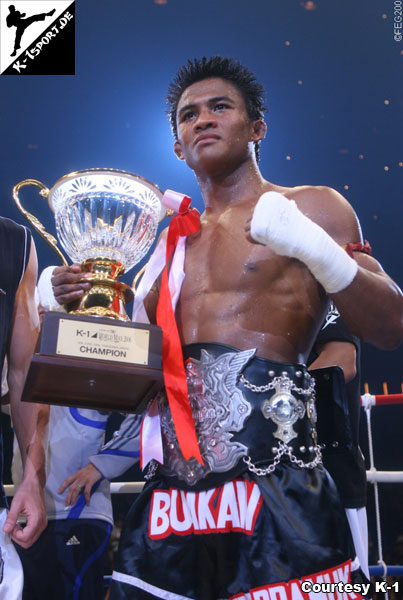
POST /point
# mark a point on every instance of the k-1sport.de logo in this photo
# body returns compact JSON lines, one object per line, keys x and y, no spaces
{"x":37,"y":37}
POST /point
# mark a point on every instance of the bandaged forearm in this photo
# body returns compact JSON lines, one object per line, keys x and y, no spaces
{"x":279,"y":224}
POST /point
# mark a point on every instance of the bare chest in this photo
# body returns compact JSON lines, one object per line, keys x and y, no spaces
{"x":221,"y":259}
{"x":245,"y":295}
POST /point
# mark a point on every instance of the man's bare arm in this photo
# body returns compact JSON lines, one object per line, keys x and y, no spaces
{"x":337,"y":354}
{"x":29,"y":420}
{"x":369,"y":301}
{"x":372,"y":305}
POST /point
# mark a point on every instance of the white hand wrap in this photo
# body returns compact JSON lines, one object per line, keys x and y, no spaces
{"x":278,"y":223}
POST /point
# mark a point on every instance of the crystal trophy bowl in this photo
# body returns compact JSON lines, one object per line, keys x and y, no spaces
{"x":106,"y":220}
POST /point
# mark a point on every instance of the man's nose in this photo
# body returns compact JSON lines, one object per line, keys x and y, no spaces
{"x":205,"y":120}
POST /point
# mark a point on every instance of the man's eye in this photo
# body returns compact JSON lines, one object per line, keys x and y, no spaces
{"x":220,"y":106}
{"x":187,"y":116}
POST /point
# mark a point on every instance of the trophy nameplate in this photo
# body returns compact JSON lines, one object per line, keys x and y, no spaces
{"x":102,"y":341}
{"x":101,"y":363}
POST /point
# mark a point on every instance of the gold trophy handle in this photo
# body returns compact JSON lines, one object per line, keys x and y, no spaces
{"x":36,"y":224}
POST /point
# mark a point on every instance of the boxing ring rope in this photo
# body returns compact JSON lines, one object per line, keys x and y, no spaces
{"x":135,"y":487}
{"x":368,"y":401}
{"x":381,"y":400}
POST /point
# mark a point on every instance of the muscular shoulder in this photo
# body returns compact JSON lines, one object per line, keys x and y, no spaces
{"x":328,"y":208}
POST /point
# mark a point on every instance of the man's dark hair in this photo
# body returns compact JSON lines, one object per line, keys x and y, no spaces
{"x":225,"y":68}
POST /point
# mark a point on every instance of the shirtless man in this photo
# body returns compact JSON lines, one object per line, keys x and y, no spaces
{"x":260,"y":511}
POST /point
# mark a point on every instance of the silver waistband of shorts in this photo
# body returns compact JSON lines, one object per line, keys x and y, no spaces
{"x":221,"y":409}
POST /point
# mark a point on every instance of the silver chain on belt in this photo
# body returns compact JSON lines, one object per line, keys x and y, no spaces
{"x":282,"y":448}
{"x":260,"y":389}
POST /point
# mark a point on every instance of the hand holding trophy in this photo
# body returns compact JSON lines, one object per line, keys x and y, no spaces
{"x":94,"y":356}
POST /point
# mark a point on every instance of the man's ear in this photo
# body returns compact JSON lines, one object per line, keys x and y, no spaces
{"x":258,"y":130}
{"x":178,"y":151}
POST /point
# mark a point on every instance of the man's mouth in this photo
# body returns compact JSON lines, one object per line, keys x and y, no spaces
{"x":206,"y":137}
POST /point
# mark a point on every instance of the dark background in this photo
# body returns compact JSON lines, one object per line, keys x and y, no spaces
{"x":332,"y":71}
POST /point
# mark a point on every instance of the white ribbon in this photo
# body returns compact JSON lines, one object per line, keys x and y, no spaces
{"x":151,"y":440}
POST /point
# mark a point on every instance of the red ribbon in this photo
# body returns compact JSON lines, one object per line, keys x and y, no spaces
{"x":351,"y":247}
{"x":186,"y":222}
{"x":116,"y":298}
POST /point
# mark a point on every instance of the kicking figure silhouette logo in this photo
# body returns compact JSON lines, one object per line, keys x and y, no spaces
{"x":21,"y":22}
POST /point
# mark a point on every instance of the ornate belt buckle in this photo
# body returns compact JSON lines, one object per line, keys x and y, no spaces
{"x":219,"y":409}
{"x":283,"y":409}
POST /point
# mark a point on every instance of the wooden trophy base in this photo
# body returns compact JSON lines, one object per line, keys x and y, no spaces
{"x":95,"y":362}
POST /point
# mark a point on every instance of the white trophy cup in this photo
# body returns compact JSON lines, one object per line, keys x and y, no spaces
{"x":106,"y":220}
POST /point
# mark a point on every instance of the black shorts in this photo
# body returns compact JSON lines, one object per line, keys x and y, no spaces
{"x":67,"y":562}
{"x":236,"y":540}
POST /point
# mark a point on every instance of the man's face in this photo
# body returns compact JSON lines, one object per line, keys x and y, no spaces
{"x":215,"y":134}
